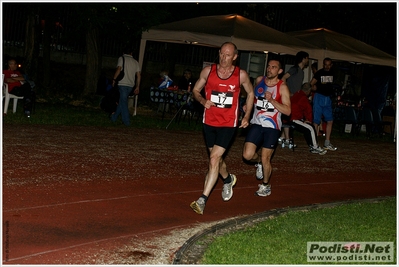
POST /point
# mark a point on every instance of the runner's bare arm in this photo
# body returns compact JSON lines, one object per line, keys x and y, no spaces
{"x":257,"y":81}
{"x":246,"y":84}
{"x":199,"y":85}
{"x":285,"y":106}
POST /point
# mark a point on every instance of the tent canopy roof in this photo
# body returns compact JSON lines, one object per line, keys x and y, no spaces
{"x":343,"y":47}
{"x":251,"y":36}
{"x":214,"y":30}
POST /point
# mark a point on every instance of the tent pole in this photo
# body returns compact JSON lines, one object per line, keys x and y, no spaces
{"x":141,"y":53}
{"x":266,"y":59}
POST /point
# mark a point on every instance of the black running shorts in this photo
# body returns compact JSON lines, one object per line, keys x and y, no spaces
{"x":261,"y":136}
{"x":221,"y":136}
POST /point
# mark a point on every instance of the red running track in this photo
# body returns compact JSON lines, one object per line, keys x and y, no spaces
{"x":68,"y":222}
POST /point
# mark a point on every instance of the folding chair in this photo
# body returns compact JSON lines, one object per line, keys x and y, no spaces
{"x":7,"y":96}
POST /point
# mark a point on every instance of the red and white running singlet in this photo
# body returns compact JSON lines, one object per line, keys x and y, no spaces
{"x":225,"y":94}
{"x":265,"y":114}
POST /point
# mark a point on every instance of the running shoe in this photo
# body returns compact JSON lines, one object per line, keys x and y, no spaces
{"x":318,"y":150}
{"x":227,"y":191}
{"x":259,"y":171}
{"x":330,"y":147}
{"x":280,"y":140}
{"x":198,"y":206}
{"x":285,"y":143}
{"x":291,"y":146}
{"x":264,"y":190}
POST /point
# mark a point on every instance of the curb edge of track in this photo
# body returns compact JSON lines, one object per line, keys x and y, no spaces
{"x":186,"y":254}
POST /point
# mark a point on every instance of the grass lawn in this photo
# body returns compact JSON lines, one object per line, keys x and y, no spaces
{"x":70,"y":115}
{"x":283,"y":239}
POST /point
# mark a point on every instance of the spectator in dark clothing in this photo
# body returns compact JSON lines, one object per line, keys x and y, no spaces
{"x":186,"y":81}
{"x":322,"y":82}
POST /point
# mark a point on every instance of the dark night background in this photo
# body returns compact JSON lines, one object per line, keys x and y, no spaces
{"x":86,"y":28}
{"x":373,"y":23}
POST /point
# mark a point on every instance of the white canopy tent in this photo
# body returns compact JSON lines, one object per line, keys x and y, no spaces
{"x":212,"y":31}
{"x":342,"y":47}
{"x":251,"y":36}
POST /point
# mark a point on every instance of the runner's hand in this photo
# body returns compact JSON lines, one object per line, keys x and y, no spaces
{"x":244,"y":123}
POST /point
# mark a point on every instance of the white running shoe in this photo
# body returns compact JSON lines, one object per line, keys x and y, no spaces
{"x":318,"y":150}
{"x":264,"y":190}
{"x":330,"y":147}
{"x":227,"y":191}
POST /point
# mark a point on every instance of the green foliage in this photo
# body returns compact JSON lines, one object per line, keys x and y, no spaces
{"x":121,"y":21}
{"x":282,"y":240}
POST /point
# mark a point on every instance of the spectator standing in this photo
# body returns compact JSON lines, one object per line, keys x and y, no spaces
{"x":301,"y":118}
{"x":322,"y":83}
{"x":131,"y":79}
{"x":222,"y":83}
{"x":322,"y":127}
{"x":272,"y":99}
{"x":294,"y":76}
{"x":19,"y":86}
{"x":294,"y":79}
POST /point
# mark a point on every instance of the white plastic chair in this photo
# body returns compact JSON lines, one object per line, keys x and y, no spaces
{"x":7,"y":97}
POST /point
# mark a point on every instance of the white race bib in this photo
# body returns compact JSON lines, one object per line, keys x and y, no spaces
{"x":263,"y":104}
{"x":222,"y":99}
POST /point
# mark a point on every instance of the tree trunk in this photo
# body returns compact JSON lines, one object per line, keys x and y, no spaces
{"x":31,"y":50}
{"x":46,"y":53}
{"x":93,"y":63}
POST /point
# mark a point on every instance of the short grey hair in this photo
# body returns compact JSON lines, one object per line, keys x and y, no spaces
{"x":306,"y":87}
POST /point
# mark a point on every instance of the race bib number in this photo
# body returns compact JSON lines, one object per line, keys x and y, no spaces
{"x":222,"y":99}
{"x":263,"y":104}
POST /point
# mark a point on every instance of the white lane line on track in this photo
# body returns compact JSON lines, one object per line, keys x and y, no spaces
{"x":154,"y":231}
{"x":96,"y":241}
{"x":94,"y":200}
{"x":173,"y":193}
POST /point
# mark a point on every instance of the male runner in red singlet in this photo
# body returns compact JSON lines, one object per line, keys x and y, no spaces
{"x":222,"y":83}
{"x":272,"y":98}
